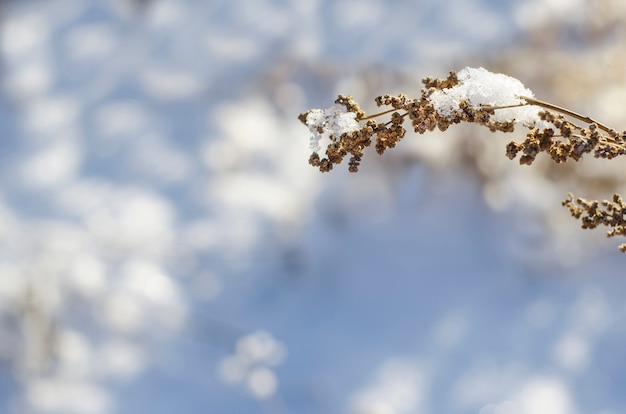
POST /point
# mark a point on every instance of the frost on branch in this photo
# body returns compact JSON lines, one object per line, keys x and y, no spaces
{"x":473,"y":95}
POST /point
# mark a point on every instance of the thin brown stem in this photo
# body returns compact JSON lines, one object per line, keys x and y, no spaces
{"x":378,"y":114}
{"x":582,"y":118}
{"x":503,"y":106}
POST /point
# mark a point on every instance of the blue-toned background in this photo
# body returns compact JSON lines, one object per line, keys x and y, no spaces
{"x":166,"y":248}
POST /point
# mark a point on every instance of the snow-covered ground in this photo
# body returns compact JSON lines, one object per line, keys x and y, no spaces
{"x":165,"y":247}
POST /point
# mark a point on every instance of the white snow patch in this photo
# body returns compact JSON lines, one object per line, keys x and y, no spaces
{"x":480,"y":87}
{"x":329,"y":124}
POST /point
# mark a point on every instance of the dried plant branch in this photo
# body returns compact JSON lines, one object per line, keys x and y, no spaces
{"x":495,"y":101}
{"x":593,"y":214}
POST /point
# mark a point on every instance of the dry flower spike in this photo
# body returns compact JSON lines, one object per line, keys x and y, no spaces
{"x":473,"y":95}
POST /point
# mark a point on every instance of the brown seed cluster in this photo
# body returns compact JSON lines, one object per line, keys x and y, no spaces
{"x":593,"y":213}
{"x":568,"y":141}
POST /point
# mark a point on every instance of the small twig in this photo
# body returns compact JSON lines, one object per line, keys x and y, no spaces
{"x":365,"y":118}
{"x":582,"y":118}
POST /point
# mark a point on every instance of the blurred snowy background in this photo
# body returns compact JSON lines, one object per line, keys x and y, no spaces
{"x":164,"y":246}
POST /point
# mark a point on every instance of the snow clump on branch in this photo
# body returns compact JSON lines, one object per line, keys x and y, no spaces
{"x":480,"y":88}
